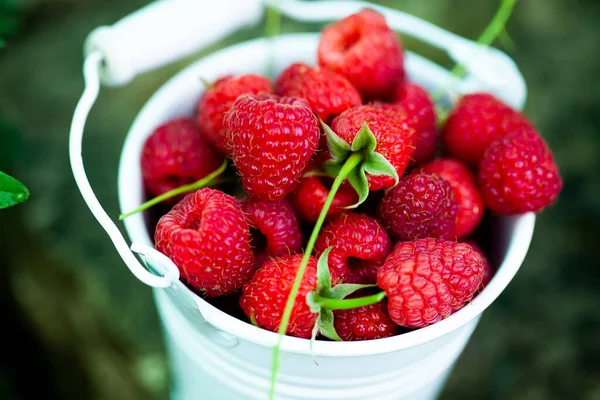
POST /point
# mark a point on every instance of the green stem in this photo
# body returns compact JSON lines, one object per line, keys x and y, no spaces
{"x":353,"y":161}
{"x":491,"y":32}
{"x":272,"y":29}
{"x":177,"y":191}
{"x":273,"y":22}
{"x":346,"y":304}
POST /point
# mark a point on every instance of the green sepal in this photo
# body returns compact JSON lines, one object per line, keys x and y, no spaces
{"x":364,"y":140}
{"x":326,"y":326}
{"x":323,"y":274}
{"x":207,"y":85}
{"x":345,"y":289}
{"x":373,"y":164}
{"x":314,"y":307}
{"x":359,"y":182}
{"x":338,"y":148}
{"x":12,"y":192}
{"x":315,"y":172}
{"x":376,"y":164}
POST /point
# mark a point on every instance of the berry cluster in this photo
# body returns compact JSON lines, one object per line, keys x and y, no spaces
{"x":311,"y":147}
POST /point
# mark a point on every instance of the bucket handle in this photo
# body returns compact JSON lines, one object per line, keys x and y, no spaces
{"x":161,"y":264}
{"x":137,"y":43}
{"x":111,"y":52}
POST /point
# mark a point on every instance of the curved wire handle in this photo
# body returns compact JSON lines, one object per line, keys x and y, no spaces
{"x":164,"y":266}
{"x":481,"y":62}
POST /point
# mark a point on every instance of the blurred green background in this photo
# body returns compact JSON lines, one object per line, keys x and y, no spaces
{"x":76,"y":324}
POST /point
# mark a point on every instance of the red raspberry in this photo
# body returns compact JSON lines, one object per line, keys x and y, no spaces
{"x":365,"y":323}
{"x":477,"y":120}
{"x":467,"y":194}
{"x":219,"y":98}
{"x":207,"y":237}
{"x":360,"y":246}
{"x":365,"y":50}
{"x":309,"y":197}
{"x":264,"y":297}
{"x":420,"y":206}
{"x":420,"y":111}
{"x":395,"y":139}
{"x":274,"y":228}
{"x":518,"y":174}
{"x":273,"y":140}
{"x":488,"y":273}
{"x":175,"y":155}
{"x":326,"y":92}
{"x":426,"y":280}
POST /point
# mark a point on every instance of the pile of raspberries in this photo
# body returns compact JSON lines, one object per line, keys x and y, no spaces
{"x":412,"y":238}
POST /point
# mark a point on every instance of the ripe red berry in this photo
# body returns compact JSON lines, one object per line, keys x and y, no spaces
{"x":273,"y":139}
{"x":174,"y":155}
{"x":426,"y":280}
{"x":218,"y":99}
{"x":477,"y":120}
{"x":309,"y":197}
{"x":420,"y":111}
{"x":365,"y":50}
{"x":488,"y":273}
{"x":365,"y":323}
{"x":326,"y":92}
{"x":395,"y":139}
{"x":467,"y":194}
{"x":274,"y":228}
{"x":206,"y":235}
{"x":420,"y":206}
{"x":518,"y":174}
{"x":360,"y":245}
{"x":264,"y":297}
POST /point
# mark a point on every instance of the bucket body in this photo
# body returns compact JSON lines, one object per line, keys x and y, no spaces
{"x":215,"y":356}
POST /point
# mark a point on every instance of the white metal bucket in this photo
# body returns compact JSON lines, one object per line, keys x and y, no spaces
{"x":215,"y":356}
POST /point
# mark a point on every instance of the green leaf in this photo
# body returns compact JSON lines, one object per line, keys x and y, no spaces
{"x":358,"y":181}
{"x":344,"y":289}
{"x":323,"y":274}
{"x":376,"y":164}
{"x":338,"y":147}
{"x":12,"y":192}
{"x":326,"y":326}
{"x":364,"y":140}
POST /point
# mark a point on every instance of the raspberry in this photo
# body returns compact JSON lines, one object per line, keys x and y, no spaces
{"x":518,"y":174}
{"x":264,"y":297}
{"x":218,"y":100}
{"x":365,"y":50}
{"x":488,"y":273}
{"x":206,"y":235}
{"x":420,"y":206}
{"x":420,"y":110}
{"x":309,"y":197}
{"x":274,"y":228}
{"x":326,"y":92}
{"x":273,"y":140}
{"x":365,"y":323}
{"x":467,"y":194}
{"x":426,"y":280}
{"x":360,"y":245}
{"x":395,"y":139}
{"x":174,"y":155}
{"x":477,"y":120}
